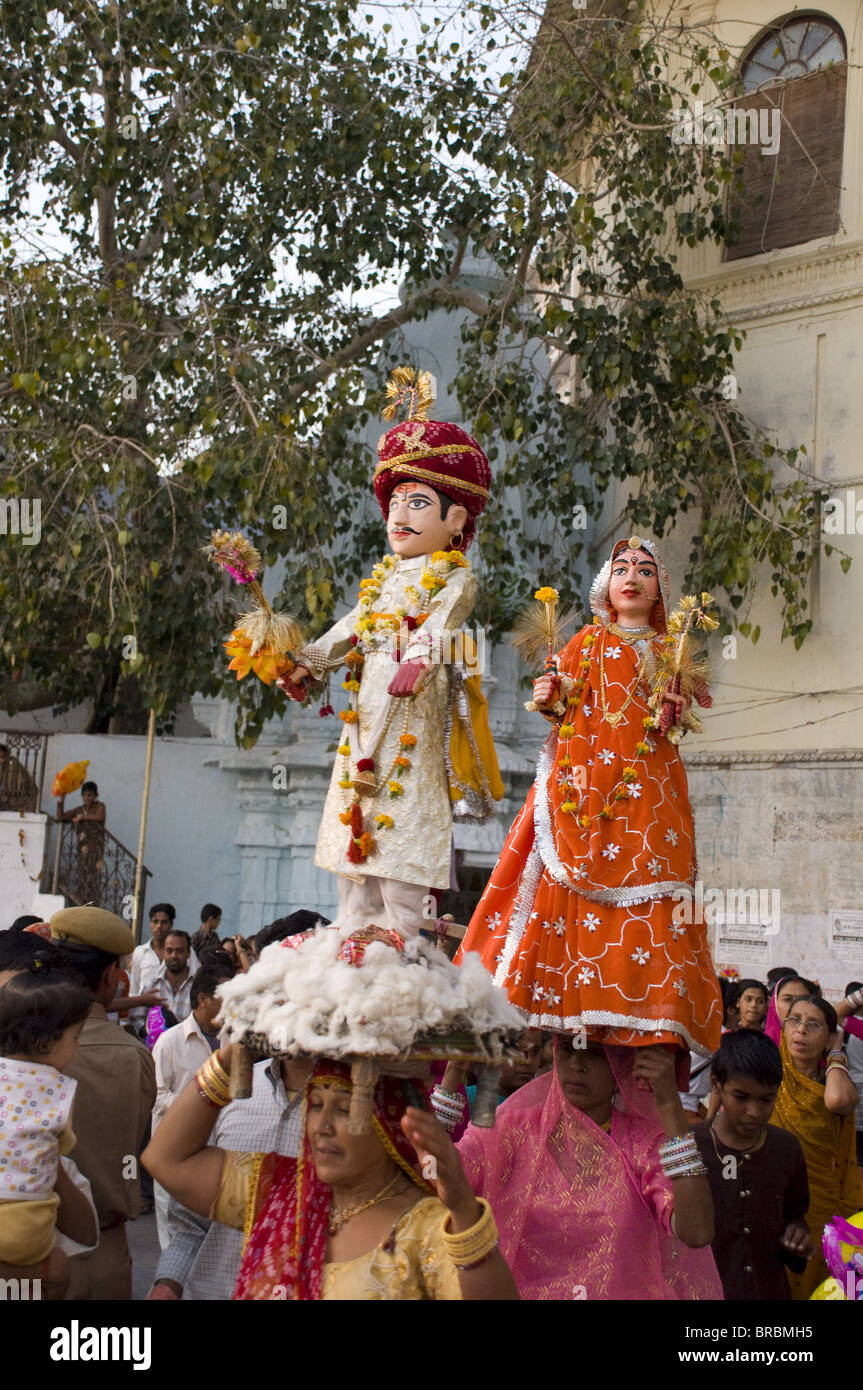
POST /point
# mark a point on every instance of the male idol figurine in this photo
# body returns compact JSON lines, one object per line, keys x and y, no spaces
{"x":416,"y":747}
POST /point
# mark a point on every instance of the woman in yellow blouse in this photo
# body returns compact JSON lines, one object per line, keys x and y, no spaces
{"x":816,"y":1103}
{"x":387,"y":1215}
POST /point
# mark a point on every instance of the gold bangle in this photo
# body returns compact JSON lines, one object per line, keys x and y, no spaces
{"x":217,"y":1092}
{"x":216,"y":1070}
{"x":221,"y":1072}
{"x":466,"y":1248}
{"x":211,"y":1087}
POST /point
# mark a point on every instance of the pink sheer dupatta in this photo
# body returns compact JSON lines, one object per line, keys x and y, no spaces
{"x":773,"y":1023}
{"x":583,"y":1214}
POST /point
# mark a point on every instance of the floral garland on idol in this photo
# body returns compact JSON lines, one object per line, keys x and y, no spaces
{"x":673,"y":667}
{"x":370,"y":624}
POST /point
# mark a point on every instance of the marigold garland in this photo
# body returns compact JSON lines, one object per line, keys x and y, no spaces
{"x":442,"y":564}
{"x":570,"y":804}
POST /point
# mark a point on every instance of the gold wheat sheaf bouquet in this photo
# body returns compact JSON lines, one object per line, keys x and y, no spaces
{"x":682,"y":670}
{"x":263,"y":641}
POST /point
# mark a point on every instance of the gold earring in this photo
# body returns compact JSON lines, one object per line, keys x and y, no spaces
{"x":457,"y":539}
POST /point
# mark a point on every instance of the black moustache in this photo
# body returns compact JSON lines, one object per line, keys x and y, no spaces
{"x":406,"y":528}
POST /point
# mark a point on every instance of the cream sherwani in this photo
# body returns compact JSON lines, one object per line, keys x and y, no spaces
{"x":416,"y":852}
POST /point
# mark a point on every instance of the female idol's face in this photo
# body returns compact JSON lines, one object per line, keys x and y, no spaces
{"x":633,"y":587}
{"x":806,"y":1032}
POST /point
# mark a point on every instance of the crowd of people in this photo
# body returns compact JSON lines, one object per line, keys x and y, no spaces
{"x":601,"y":1179}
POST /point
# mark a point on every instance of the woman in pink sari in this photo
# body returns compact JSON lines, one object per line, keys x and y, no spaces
{"x":573,"y":1172}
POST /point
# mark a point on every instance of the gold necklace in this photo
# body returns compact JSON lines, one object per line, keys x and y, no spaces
{"x":753,"y":1150}
{"x":614,"y":718}
{"x":337,"y":1219}
{"x":632,"y":634}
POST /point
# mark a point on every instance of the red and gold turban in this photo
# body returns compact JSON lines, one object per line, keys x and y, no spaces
{"x":434,"y":452}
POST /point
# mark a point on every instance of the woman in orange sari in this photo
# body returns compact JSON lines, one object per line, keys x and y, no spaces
{"x":816,"y":1103}
{"x":586,"y":920}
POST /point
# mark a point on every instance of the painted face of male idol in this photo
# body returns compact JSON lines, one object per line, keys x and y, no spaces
{"x":414,"y":522}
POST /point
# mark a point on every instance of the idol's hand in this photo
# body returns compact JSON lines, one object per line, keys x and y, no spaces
{"x":679,"y":703}
{"x":440,"y":1165}
{"x":546,"y":691}
{"x":408,"y":677}
{"x":293,"y":682}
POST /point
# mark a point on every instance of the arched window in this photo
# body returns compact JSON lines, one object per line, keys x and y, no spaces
{"x":794,"y":78}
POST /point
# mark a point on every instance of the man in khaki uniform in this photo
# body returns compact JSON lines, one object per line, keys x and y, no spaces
{"x":116,"y":1091}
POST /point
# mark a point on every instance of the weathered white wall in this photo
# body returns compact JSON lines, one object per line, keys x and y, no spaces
{"x":22,"y":843}
{"x":786,"y":823}
{"x":192,"y":821}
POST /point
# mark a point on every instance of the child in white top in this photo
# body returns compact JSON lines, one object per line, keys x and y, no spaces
{"x":42,"y":1011}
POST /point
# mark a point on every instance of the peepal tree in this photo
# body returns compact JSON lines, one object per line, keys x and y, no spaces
{"x":188,"y":339}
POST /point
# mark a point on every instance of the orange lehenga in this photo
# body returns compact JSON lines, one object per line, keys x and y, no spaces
{"x":583,"y":921}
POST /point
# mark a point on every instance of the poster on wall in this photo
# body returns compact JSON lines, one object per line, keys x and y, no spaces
{"x":744,"y":946}
{"x":846,"y":935}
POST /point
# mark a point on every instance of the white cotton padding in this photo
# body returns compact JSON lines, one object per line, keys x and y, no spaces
{"x":306,"y":1000}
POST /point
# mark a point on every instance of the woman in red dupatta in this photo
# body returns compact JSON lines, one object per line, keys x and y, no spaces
{"x":353,"y":1217}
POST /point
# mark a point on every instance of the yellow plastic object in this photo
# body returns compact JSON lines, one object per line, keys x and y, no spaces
{"x":69,"y":778}
{"x":830,"y":1291}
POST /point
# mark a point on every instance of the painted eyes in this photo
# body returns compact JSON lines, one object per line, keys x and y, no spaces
{"x":414,"y":503}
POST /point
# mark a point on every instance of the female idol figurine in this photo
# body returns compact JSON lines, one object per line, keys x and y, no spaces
{"x":587,"y":918}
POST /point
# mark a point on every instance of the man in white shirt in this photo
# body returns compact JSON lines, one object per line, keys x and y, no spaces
{"x":148,"y":958}
{"x":178,"y":1054}
{"x":175,"y":974}
{"x":203,"y":1259}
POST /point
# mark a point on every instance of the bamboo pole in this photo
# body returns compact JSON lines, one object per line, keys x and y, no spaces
{"x":142,"y":836}
{"x":59,"y":825}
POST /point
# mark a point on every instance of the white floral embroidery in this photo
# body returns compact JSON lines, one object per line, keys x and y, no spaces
{"x":538,"y":992}
{"x":677,"y":930}
{"x":517,"y":976}
{"x":640,"y":955}
{"x":579,"y":871}
{"x":611,"y":851}
{"x":635,"y":790}
{"x":680,"y":987}
{"x":587,"y":710}
{"x":585,"y":975}
{"x":552,"y":998}
{"x":606,"y":755}
{"x":613,"y":652}
{"x":560,"y":926}
{"x":655,"y":867}
{"x":591,"y":921}
{"x":672,"y":837}
{"x":493,"y":921}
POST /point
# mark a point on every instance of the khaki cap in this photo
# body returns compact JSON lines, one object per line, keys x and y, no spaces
{"x":93,"y":926}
